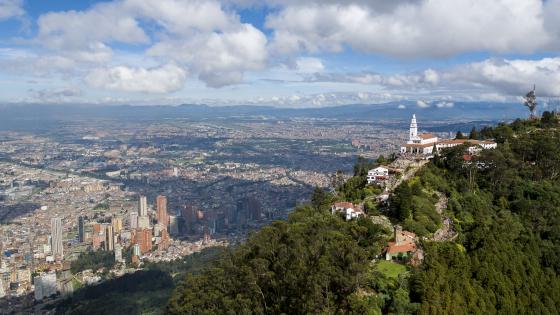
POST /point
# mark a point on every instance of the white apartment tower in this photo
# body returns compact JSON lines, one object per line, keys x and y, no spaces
{"x":133,"y":220}
{"x":143,"y":206}
{"x":56,"y":237}
{"x":2,"y":293}
{"x":118,"y":253}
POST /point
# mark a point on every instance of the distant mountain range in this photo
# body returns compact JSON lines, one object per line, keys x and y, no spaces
{"x":26,"y":117}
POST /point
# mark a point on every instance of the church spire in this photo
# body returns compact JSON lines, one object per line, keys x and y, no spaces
{"x":413,"y":127}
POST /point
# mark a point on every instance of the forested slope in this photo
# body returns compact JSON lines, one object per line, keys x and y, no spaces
{"x":505,"y":206}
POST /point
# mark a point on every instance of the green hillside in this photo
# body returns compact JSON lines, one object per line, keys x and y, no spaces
{"x":505,"y":208}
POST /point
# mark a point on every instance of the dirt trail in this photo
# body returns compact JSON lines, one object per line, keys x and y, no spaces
{"x":447,"y":232}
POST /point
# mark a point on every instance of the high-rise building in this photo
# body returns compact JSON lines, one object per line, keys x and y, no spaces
{"x":2,"y":292}
{"x":144,"y":240}
{"x":97,"y":240}
{"x":255,"y":208}
{"x":173,"y":225}
{"x":164,"y":240}
{"x":56,"y":237}
{"x":143,"y":206}
{"x":81,"y":229}
{"x":143,"y":222}
{"x":117,"y":224}
{"x":136,"y":250}
{"x":133,"y":220}
{"x":109,"y":238}
{"x":161,"y":214}
{"x":45,"y":285}
{"x":206,"y":239}
{"x":118,"y":253}
{"x":97,"y":228}
{"x":189,"y":217}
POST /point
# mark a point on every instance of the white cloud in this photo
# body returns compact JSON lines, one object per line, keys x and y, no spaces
{"x":165,"y":41}
{"x":11,"y":9}
{"x":328,"y":99}
{"x":165,"y":79}
{"x":182,"y":17}
{"x":512,"y":77}
{"x":55,"y":95}
{"x":444,"y":105}
{"x":401,"y":106}
{"x":424,"y":79}
{"x":422,"y":104}
{"x":309,"y":65}
{"x":219,"y":58}
{"x":488,"y":77}
{"x":416,"y":28}
{"x":85,"y":34}
{"x":198,"y":35}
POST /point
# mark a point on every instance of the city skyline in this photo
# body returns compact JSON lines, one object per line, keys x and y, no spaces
{"x":277,"y":52}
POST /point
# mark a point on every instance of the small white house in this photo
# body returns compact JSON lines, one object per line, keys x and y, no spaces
{"x":377,"y":174}
{"x":349,"y":209}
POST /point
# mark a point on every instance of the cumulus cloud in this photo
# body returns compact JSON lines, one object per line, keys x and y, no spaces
{"x":11,"y":9}
{"x":219,"y":58}
{"x":202,"y":37}
{"x":401,"y":106}
{"x":415,"y":28}
{"x":165,"y":79}
{"x":207,"y":39}
{"x":512,"y":77}
{"x":422,"y":104}
{"x":491,"y":77}
{"x":182,"y":17}
{"x":105,"y":22}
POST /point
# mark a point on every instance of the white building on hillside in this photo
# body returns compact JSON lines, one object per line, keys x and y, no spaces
{"x":377,"y":174}
{"x":418,"y":143}
{"x":350,"y":210}
{"x":423,"y":144}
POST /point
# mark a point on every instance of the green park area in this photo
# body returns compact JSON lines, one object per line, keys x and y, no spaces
{"x":390,"y":269}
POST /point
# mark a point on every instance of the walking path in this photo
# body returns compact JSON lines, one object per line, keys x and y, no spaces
{"x":447,"y":232}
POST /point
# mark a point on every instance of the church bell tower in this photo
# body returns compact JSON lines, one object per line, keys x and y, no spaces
{"x":413,"y":127}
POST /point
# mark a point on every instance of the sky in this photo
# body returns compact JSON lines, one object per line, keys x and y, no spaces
{"x":288,"y":53}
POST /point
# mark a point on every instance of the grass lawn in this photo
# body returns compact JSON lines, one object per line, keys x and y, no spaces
{"x":390,"y":269}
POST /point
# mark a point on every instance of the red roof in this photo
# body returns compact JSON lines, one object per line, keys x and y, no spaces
{"x":343,"y":204}
{"x":471,"y":141}
{"x":418,"y":145}
{"x":426,"y":136}
{"x":393,"y":248}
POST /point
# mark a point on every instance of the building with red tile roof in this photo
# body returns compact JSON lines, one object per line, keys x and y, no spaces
{"x":404,"y":245}
{"x":424,"y":143}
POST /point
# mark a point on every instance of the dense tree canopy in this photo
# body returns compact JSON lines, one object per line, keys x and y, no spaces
{"x":312,"y":262}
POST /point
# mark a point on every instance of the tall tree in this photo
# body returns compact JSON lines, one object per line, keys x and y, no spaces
{"x":459,"y":135}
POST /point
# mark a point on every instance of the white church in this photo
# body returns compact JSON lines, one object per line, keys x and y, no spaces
{"x":423,"y":144}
